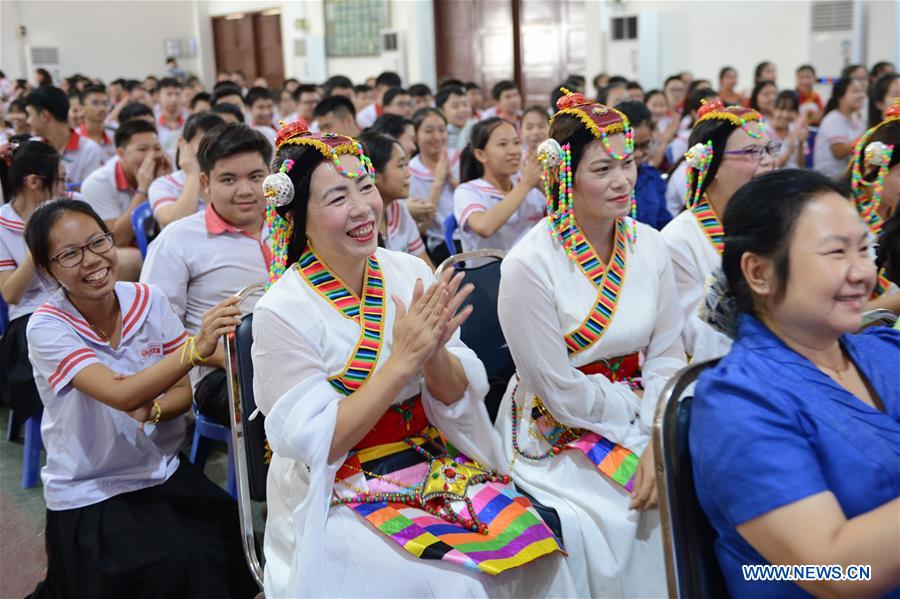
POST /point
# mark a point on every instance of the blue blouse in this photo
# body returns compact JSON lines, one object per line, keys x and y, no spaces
{"x":650,"y":193}
{"x":768,"y":429}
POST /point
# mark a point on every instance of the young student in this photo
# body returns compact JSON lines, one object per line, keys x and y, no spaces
{"x":508,"y":102}
{"x":363,"y":96}
{"x":535,"y":129}
{"x":811,"y":105}
{"x":635,"y":91}
{"x":17,"y":115}
{"x":110,"y":361}
{"x":589,"y":309}
{"x":350,"y":452}
{"x":135,"y":111}
{"x":728,"y":80}
{"x":421,"y":95}
{"x":840,"y":128}
{"x":76,"y":110}
{"x":171,"y":115}
{"x":649,"y":188}
{"x":335,"y":114}
{"x":434,"y":174}
{"x":34,"y":175}
{"x":452,"y":101}
{"x":338,"y":85}
{"x":397,"y":101}
{"x":762,"y":98}
{"x":261,"y":107}
{"x":202,"y":259}
{"x":201,"y":102}
{"x":228,"y":93}
{"x":676,"y":91}
{"x":764,"y":71}
{"x":397,"y":230}
{"x":228,"y":112}
{"x":789,"y":127}
{"x":48,"y":113}
{"x":475,"y":97}
{"x":95,"y":103}
{"x":287,"y":106}
{"x":383,"y":83}
{"x":816,"y":398}
{"x":306,"y":98}
{"x":884,"y":93}
{"x":493,"y":206}
{"x":399,"y":128}
{"x":177,"y":195}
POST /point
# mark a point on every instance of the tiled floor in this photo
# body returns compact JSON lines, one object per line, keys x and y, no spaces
{"x":22,"y":516}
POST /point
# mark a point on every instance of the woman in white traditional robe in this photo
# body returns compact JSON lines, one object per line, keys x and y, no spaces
{"x":593,"y":346}
{"x":360,"y":371}
{"x":728,"y":147}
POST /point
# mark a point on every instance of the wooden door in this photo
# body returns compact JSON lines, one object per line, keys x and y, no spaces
{"x":551,"y":42}
{"x":235,"y":47}
{"x":269,"y":54}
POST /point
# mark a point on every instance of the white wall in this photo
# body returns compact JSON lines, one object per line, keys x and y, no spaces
{"x":102,"y":39}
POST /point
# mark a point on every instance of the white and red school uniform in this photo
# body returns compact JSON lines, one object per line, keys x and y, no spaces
{"x":81,"y":157}
{"x":201,"y":260}
{"x":169,"y":134}
{"x":479,"y":196}
{"x":165,"y":191}
{"x":94,"y":451}
{"x":268,"y":132}
{"x":420,"y":180}
{"x":12,"y":253}
{"x":107,"y":144}
{"x":402,"y":234}
{"x":108,"y":191}
{"x":368,"y":115}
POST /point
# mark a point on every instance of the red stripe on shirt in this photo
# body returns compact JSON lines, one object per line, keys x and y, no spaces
{"x":68,"y":363}
{"x":471,"y":208}
{"x":143,"y":294}
{"x":11,"y":224}
{"x":7,"y":263}
{"x":79,"y":325}
{"x":173,"y":345}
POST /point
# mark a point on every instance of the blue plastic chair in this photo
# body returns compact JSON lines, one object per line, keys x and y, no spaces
{"x":811,"y":145}
{"x":450,"y":226}
{"x":206,"y":430}
{"x":139,"y":221}
{"x":4,"y":315}
{"x":31,"y":460}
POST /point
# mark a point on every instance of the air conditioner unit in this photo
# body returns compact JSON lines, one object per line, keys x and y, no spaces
{"x":43,"y":57}
{"x":831,"y":39}
{"x":622,"y":47}
{"x":393,"y":51}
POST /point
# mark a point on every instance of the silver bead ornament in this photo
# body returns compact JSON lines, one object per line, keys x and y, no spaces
{"x":876,"y":154}
{"x":550,"y":153}
{"x":697,"y":155}
{"x":278,"y":189}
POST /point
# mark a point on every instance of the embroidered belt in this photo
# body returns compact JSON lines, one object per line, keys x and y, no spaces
{"x":611,"y":459}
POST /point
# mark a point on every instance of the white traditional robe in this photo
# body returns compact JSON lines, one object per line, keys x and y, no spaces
{"x":311,"y":549}
{"x":613,"y":551}
{"x":693,"y":260}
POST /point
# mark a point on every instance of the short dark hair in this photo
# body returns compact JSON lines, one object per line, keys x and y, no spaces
{"x":536,"y":109}
{"x":450,"y":81}
{"x":255,"y":94}
{"x":787,"y":100}
{"x":471,"y":85}
{"x":230,"y":139}
{"x":423,"y":113}
{"x":49,"y":98}
{"x":92,"y":89}
{"x":392,"y":93}
{"x":419,"y":90}
{"x":604,"y":93}
{"x":341,"y":106}
{"x":388,"y":79}
{"x":637,"y":112}
{"x":390,"y":124}
{"x":133,"y":127}
{"x":806,"y":67}
{"x":37,"y":231}
{"x":304,"y":89}
{"x":169,"y":82}
{"x":134,"y":110}
{"x":18,"y":104}
{"x":223,"y":91}
{"x":200,"y":123}
{"x":670,"y":79}
{"x":227,"y":108}
{"x":758,"y":87}
{"x":725,"y":70}
{"x":378,"y":148}
{"x":760,"y":218}
{"x":879,"y":67}
{"x":200,"y":97}
{"x":336,"y":81}
{"x":616,"y":79}
{"x":362,"y":88}
{"x":30,"y":158}
{"x":132,"y":84}
{"x":502,"y":86}
{"x":120,"y":81}
{"x":444,"y":94}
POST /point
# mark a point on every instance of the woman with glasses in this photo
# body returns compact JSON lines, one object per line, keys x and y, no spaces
{"x":34,"y":175}
{"x":728,"y":147}
{"x":125,"y":516}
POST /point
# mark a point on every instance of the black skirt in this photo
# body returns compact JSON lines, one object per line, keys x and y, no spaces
{"x":17,"y":389}
{"x":178,"y":539}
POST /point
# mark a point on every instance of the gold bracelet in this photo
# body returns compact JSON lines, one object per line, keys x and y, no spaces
{"x":158,"y":406}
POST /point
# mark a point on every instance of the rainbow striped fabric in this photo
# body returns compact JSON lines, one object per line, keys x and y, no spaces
{"x":710,"y":224}
{"x":516,"y":533}
{"x":371,"y":308}
{"x":607,"y":279}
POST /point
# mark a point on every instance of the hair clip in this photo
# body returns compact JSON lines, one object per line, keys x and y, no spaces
{"x":878,"y":153}
{"x":550,"y":153}
{"x":698,"y":155}
{"x":278,"y":187}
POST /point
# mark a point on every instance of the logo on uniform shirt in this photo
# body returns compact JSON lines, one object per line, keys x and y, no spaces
{"x":154,"y":349}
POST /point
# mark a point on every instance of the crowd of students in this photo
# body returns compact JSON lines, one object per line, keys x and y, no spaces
{"x":747,"y":227}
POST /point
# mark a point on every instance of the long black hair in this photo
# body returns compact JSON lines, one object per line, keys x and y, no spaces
{"x":838,"y":91}
{"x":878,"y":95}
{"x":469,"y":167}
{"x":31,"y":158}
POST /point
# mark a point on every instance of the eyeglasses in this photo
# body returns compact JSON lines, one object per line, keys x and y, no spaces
{"x":72,"y":257}
{"x":771,"y":149}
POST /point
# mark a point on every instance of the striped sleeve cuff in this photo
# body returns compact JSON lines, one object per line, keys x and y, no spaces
{"x":71,"y":365}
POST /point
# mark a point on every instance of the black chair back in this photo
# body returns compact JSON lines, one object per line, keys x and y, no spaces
{"x":689,"y":540}
{"x":255,"y":445}
{"x":482,"y":332}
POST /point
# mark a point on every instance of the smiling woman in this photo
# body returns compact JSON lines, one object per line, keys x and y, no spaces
{"x":110,"y":361}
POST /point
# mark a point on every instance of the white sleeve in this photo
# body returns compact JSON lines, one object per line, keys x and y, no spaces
{"x":172,"y":329}
{"x":93,"y":160}
{"x":7,"y":262}
{"x":528,"y":316}
{"x":57,"y":353}
{"x":689,"y":285}
{"x":413,"y":240}
{"x":100,"y":194}
{"x":466,"y":201}
{"x":165,"y":267}
{"x":161,"y":193}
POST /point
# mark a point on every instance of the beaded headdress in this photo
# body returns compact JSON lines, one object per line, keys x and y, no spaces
{"x":868,"y":155}
{"x":602,"y":121}
{"x":279,"y":189}
{"x":700,"y":155}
